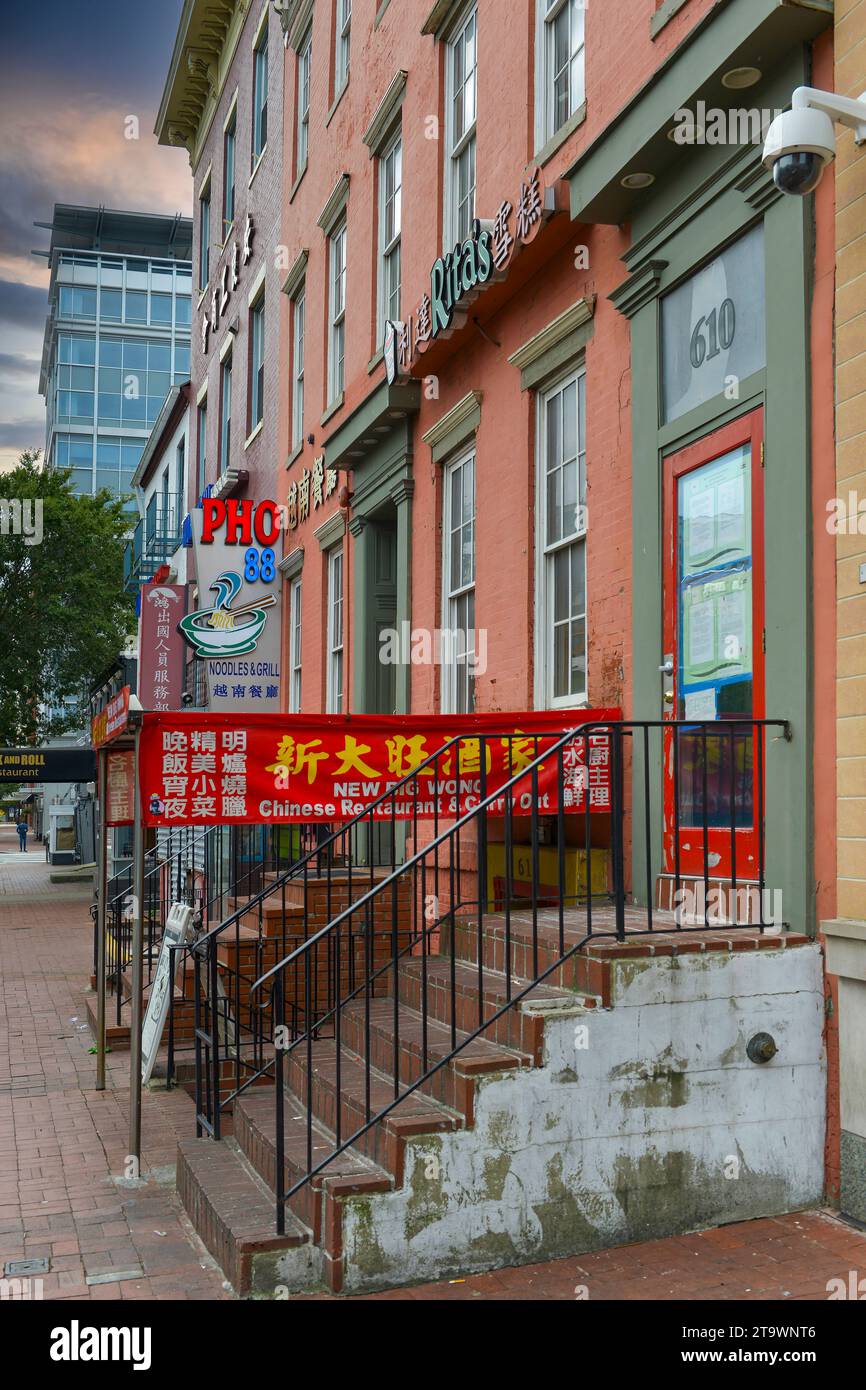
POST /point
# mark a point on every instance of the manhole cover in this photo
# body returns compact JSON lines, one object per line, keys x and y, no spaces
{"x":14,"y":1267}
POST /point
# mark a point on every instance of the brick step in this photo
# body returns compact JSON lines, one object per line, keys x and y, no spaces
{"x":233,"y":1213}
{"x":582,"y":973}
{"x":453,"y":1085}
{"x":349,"y":1173}
{"x":384,"y":1142}
{"x":520,"y":1028}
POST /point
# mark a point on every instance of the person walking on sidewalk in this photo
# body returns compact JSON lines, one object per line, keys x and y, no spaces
{"x":22,"y":835}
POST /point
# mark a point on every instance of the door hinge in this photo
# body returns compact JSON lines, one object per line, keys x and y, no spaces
{"x":762,"y":454}
{"x":764,"y":641}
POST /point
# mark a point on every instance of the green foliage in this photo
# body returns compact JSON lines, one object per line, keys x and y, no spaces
{"x":64,"y":614}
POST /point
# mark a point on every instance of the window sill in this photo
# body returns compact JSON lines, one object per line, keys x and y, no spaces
{"x":665,"y":12}
{"x":333,"y":408}
{"x":258,"y":164}
{"x":557,"y":140}
{"x":336,"y":102}
{"x":380,"y":13}
{"x":298,"y":181}
{"x":254,"y":433}
{"x":375,"y":361}
{"x":295,"y":454}
{"x":202,"y":295}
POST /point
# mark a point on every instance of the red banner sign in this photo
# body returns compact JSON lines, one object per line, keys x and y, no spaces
{"x":273,"y":769}
{"x":120,"y":788}
{"x":161,"y":653}
{"x":111,"y":719}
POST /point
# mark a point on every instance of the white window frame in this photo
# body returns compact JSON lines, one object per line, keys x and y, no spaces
{"x":344,"y":44}
{"x":336,"y":630}
{"x":390,"y":248}
{"x":337,"y":249}
{"x":230,"y":132}
{"x":302,"y":132}
{"x":260,"y":107}
{"x":257,"y":375}
{"x":452,"y":597}
{"x":201,"y":448}
{"x":545,"y":665}
{"x":299,"y":315}
{"x":204,"y":248}
{"x":296,"y":593}
{"x":547,"y":14}
{"x":225,"y":420}
{"x":456,"y":148}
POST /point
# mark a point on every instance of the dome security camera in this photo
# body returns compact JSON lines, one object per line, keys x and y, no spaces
{"x":800,"y":143}
{"x":798,"y":148}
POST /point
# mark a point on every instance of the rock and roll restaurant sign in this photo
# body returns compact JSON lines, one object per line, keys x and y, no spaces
{"x":47,"y":765}
{"x":268,"y":769}
{"x":458,"y":278}
{"x":237,"y":633}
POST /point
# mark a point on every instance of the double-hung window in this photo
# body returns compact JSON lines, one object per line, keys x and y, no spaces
{"x":229,"y":174}
{"x":461,"y":124}
{"x":562,"y":543}
{"x":299,"y":311}
{"x":295,"y":633}
{"x":390,"y":216}
{"x":337,"y":314}
{"x":335,"y":631}
{"x":201,"y":455}
{"x":225,"y":413}
{"x":560,"y":71}
{"x":458,"y":585}
{"x":203,"y":237}
{"x":257,"y":385}
{"x":305,"y":59}
{"x":260,"y":96}
{"x":344,"y":38}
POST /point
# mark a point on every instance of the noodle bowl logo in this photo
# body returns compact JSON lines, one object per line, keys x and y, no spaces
{"x":224,"y":631}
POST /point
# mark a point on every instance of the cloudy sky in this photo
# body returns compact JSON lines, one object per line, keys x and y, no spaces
{"x":73,"y":71}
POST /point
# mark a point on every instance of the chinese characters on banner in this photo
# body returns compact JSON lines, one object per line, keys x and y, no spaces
{"x":281,"y":769}
{"x":111,"y":719}
{"x":161,"y":647}
{"x":120,"y":787}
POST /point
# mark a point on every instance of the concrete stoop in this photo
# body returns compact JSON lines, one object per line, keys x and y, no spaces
{"x":591,"y":1120}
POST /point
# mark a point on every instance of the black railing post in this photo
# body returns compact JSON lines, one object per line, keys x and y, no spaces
{"x":278,"y":1021}
{"x":617,"y":790}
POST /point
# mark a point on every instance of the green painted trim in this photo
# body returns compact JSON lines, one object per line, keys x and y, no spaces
{"x":331,"y":531}
{"x":635,"y":292}
{"x":385,"y":405}
{"x":559,"y":343}
{"x":558,"y":139}
{"x":636,"y":138}
{"x":663,"y":15}
{"x":333,"y":408}
{"x":336,"y":102}
{"x":335,"y":206}
{"x":453,"y":430}
{"x":380,"y":13}
{"x":385,"y":115}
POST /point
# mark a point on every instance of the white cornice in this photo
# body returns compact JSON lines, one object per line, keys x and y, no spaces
{"x":554,"y":333}
{"x":385,"y":112}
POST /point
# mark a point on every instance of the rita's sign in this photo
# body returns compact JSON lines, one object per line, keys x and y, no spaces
{"x":484,"y":256}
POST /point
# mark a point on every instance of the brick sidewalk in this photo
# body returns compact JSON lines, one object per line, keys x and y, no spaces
{"x":63,"y":1145}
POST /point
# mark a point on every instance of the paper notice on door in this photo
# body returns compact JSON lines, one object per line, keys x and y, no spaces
{"x":701,"y":704}
{"x":732,"y":514}
{"x":702,"y":524}
{"x":732,"y":626}
{"x":702,"y":634}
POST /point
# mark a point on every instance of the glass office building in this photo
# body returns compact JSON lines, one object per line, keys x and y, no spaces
{"x":117,"y":337}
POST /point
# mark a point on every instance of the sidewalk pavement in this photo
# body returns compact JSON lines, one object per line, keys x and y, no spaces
{"x":63,"y":1147}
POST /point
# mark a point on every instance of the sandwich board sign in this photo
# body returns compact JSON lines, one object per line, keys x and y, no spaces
{"x":178,"y":929}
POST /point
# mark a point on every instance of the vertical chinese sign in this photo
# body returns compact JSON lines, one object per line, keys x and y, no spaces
{"x":120,"y":787}
{"x":161,"y":647}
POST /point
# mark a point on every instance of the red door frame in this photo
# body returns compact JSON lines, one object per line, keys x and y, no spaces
{"x":747,"y":429}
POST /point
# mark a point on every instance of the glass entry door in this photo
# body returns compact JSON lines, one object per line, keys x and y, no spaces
{"x":714,"y":657}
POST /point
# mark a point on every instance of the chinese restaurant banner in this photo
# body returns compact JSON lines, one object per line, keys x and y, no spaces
{"x":111,"y":720}
{"x":162,"y":650}
{"x":282,"y":769}
{"x":120,"y":787}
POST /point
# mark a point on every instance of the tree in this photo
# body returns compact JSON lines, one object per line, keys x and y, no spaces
{"x":64,"y":613}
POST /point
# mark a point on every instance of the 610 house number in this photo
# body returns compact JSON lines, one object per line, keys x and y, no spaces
{"x":712,"y":333}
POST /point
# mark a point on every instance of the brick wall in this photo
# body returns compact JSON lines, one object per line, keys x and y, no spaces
{"x":850,"y":79}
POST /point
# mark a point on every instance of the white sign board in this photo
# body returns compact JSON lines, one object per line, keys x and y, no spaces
{"x":178,"y":929}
